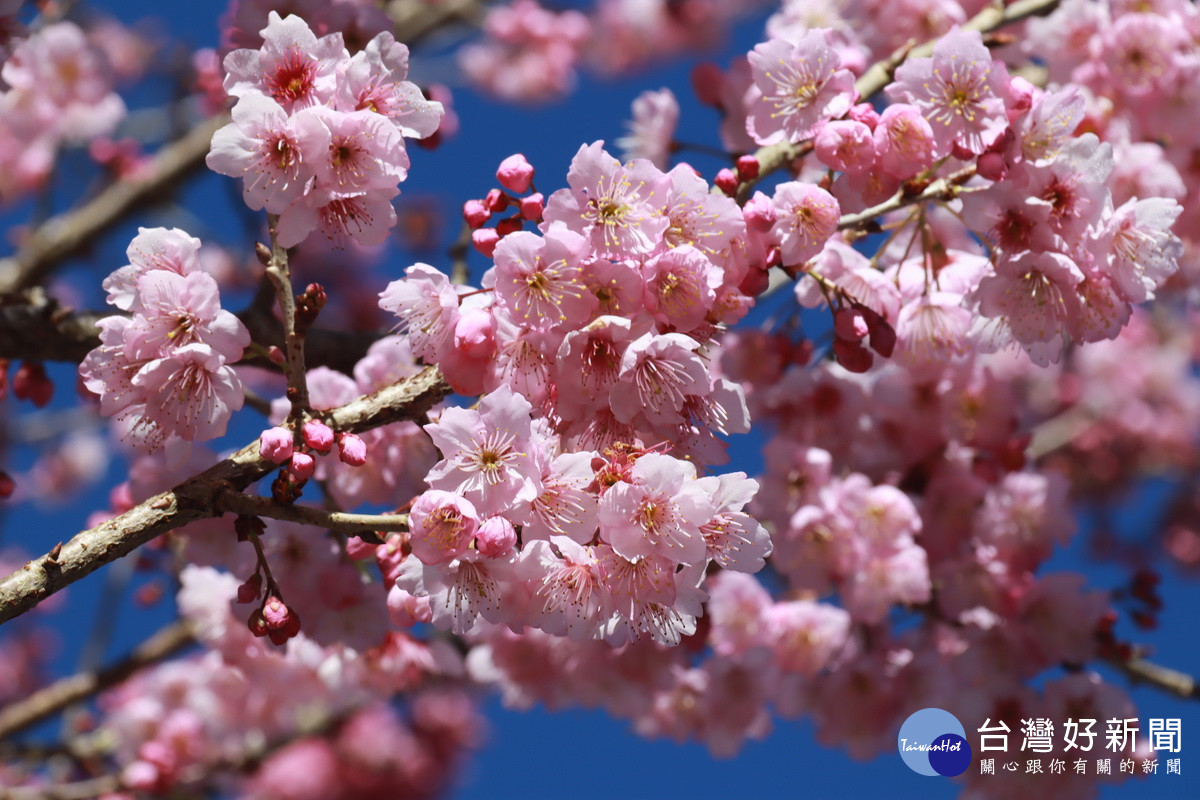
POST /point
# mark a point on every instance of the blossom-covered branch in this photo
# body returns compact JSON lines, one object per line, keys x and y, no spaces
{"x":196,"y":498}
{"x":776,"y":156}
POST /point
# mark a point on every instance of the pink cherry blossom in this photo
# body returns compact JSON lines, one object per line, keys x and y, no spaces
{"x":960,"y":90}
{"x":798,"y":85}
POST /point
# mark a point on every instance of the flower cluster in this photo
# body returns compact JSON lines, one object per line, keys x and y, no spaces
{"x":529,"y":52}
{"x":604,"y":319}
{"x":58,"y":88}
{"x":586,"y":544}
{"x":165,"y":369}
{"x":318,"y":135}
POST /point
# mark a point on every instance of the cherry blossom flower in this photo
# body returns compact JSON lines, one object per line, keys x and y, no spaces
{"x":615,"y":206}
{"x":960,"y":90}
{"x":798,"y":86}
{"x":652,"y":130}
{"x":486,"y":452}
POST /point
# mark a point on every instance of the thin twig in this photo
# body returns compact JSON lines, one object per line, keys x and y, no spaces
{"x":80,"y":790}
{"x":237,"y":502}
{"x":278,"y":272}
{"x":1172,"y":681}
{"x":48,"y":701}
{"x":69,"y":233}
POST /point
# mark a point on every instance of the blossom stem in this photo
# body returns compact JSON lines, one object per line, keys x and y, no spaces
{"x":280,"y":275}
{"x":234,"y":501}
{"x":941,"y":189}
{"x":51,"y":699}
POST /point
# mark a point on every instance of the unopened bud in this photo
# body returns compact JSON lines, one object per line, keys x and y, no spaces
{"x":515,"y":174}
{"x":275,"y":445}
{"x":302,"y":466}
{"x":352,"y":449}
{"x":727,"y":181}
{"x":318,"y":436}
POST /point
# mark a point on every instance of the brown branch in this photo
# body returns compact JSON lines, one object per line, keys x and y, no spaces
{"x":777,"y":156}
{"x":197,"y":498}
{"x":71,"y":232}
{"x":36,"y":327}
{"x":293,"y":338}
{"x":941,"y":189}
{"x":80,"y":790}
{"x":51,"y":699}
{"x":253,"y":505}
{"x":1172,"y":681}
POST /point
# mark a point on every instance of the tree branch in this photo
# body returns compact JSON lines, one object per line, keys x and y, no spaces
{"x":80,"y":790}
{"x":51,"y":699}
{"x":253,"y":505}
{"x":197,"y":498}
{"x":1172,"y":681}
{"x":36,"y":327}
{"x":69,"y":233}
{"x":293,"y":338}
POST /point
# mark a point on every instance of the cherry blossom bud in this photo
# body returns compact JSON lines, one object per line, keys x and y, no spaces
{"x":864,"y":113}
{"x":515,"y":174}
{"x":1021,"y":94}
{"x":485,"y":240}
{"x":275,"y":445}
{"x":849,"y":324}
{"x":883,"y":336}
{"x":476,"y":213}
{"x":852,"y":356}
{"x":275,"y":613}
{"x":358,"y":549}
{"x":257,"y":623}
{"x":389,"y":556}
{"x":755,"y":282}
{"x":747,"y":168}
{"x":318,"y":436}
{"x":707,"y":83}
{"x":302,"y":466}
{"x":506,"y":226}
{"x":991,"y":165}
{"x":292,"y":626}
{"x":760,"y":212}
{"x":352,"y":449}
{"x":249,"y":591}
{"x":727,"y":181}
{"x":496,"y":200}
{"x":475,"y":333}
{"x":31,"y":383}
{"x":275,"y":355}
{"x":533,"y":206}
{"x":496,"y":537}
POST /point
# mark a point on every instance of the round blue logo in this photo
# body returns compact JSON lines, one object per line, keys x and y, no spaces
{"x":933,"y":742}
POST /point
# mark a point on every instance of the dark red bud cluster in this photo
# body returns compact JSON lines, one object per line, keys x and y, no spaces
{"x":30,"y":382}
